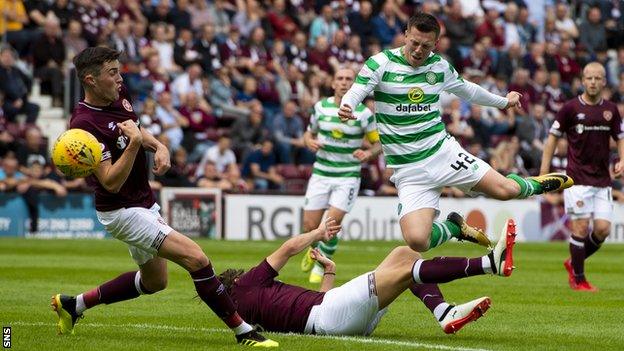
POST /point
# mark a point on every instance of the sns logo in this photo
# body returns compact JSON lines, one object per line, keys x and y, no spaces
{"x":122,"y":142}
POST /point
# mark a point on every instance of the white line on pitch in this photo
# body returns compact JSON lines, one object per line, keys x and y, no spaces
{"x":360,"y":340}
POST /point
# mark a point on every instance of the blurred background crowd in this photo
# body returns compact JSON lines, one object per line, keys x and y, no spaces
{"x":229,"y":85}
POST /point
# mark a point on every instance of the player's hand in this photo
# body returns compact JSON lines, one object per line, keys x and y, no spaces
{"x":618,"y":169}
{"x":318,"y":256}
{"x":313,"y":144}
{"x":328,"y":229}
{"x":362,"y":155}
{"x":345,"y":113}
{"x":162,"y":161}
{"x":513,"y":99}
{"x":131,"y":130}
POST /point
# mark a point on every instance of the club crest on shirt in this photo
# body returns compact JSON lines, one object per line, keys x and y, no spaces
{"x":122,"y":142}
{"x":431,"y":78}
{"x":580,"y":203}
{"x":126,"y":104}
{"x":607,"y":115}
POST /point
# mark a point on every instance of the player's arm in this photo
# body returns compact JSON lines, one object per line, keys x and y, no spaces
{"x":310,"y":141}
{"x":619,"y":165}
{"x":547,"y":154}
{"x":113,"y":176}
{"x":365,"y":81}
{"x":329,"y":267}
{"x":162,"y":159}
{"x":326,"y":230}
{"x":373,"y":151}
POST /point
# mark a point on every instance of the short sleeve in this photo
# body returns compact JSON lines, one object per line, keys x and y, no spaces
{"x":560,"y":125}
{"x":617,"y":126}
{"x":262,"y":274}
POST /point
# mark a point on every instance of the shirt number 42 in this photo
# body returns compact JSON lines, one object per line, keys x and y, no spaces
{"x":463,"y":162}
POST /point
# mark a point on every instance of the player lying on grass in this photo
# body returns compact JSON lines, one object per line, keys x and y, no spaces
{"x":356,"y":307}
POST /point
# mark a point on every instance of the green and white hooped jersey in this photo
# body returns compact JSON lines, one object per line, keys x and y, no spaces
{"x":407,"y":103}
{"x":339,"y":140}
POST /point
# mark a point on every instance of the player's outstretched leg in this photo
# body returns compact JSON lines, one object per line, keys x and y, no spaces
{"x":451,"y":317}
{"x":541,"y":184}
{"x":445,"y":269}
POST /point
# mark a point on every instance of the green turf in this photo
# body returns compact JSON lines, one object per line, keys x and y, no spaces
{"x":532,"y":310}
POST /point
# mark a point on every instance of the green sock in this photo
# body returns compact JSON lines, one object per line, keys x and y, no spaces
{"x":329,"y":248}
{"x":528,"y":187}
{"x":442,"y":232}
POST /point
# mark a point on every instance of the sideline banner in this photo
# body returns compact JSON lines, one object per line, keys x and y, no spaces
{"x":72,"y":216}
{"x":266,"y":217}
{"x":195,"y":212}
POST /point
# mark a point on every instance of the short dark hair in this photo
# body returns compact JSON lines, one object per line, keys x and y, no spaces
{"x":229,"y":276}
{"x":424,"y":22}
{"x":91,"y":59}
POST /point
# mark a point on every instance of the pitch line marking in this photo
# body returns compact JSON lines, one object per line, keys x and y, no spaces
{"x":361,"y":340}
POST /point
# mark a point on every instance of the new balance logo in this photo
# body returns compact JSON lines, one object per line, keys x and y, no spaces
{"x":399,"y":78}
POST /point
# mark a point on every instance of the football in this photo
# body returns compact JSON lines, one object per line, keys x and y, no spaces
{"x":76,"y":153}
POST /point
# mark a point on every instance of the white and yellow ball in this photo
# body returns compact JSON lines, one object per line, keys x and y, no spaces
{"x":77,"y":153}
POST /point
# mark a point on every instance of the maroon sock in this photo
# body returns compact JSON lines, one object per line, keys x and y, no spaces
{"x":592,"y":244}
{"x":213,"y":293}
{"x":446,"y":269}
{"x":119,"y":289}
{"x":429,"y":294}
{"x":577,"y":256}
{"x":92,"y":297}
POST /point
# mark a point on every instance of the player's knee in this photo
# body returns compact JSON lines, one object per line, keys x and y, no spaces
{"x":405,"y":254}
{"x":154,"y":285}
{"x":417,"y":243}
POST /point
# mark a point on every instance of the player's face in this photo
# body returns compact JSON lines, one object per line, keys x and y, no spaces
{"x":418,"y":46}
{"x":107,"y":84}
{"x":343,"y":79}
{"x":593,"y":81}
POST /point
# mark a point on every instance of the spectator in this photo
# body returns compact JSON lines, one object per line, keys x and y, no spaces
{"x":139,"y":85}
{"x":259,"y":168}
{"x":318,"y":55}
{"x":12,"y":25}
{"x":531,"y":131}
{"x":249,"y":15}
{"x":148,"y":118}
{"x":245,"y":97}
{"x":32,"y":148}
{"x":521,"y":83}
{"x":459,"y":29}
{"x":323,"y":26}
{"x":248,"y":131}
{"x":567,"y":65}
{"x":10,"y":176}
{"x":180,"y":171}
{"x":512,"y":34}
{"x":224,"y":159}
{"x":220,"y":17}
{"x":200,"y":132}
{"x":186,"y":83}
{"x":7,"y":140}
{"x":386,"y":24}
{"x":455,"y":124}
{"x":48,"y":58}
{"x":526,"y":29}
{"x":62,"y":9}
{"x":361,"y":22}
{"x":478,"y":60}
{"x":267,"y":90}
{"x":171,"y":120}
{"x":16,"y":86}
{"x":282,"y":24}
{"x":180,"y":15}
{"x":123,"y":40}
{"x":184,"y":53}
{"x":208,"y":49}
{"x":563,"y":22}
{"x":231,"y":50}
{"x":555,"y":95}
{"x":74,"y":42}
{"x":505,"y":158}
{"x":593,"y":34}
{"x":256,"y":51}
{"x":493,"y":28}
{"x":162,"y":41}
{"x":354,"y":54}
{"x":297,"y":52}
{"x":291,"y":87}
{"x":211,"y":178}
{"x":200,"y":14}
{"x":288,"y":131}
{"x":222,"y":95}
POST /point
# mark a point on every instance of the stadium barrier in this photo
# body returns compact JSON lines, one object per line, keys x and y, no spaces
{"x":208,"y":213}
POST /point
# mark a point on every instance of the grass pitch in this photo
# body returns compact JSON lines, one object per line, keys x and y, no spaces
{"x":532,"y":310}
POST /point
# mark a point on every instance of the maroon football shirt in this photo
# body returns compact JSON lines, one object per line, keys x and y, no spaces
{"x":101,"y":121}
{"x":272,"y":304}
{"x":588,"y":129}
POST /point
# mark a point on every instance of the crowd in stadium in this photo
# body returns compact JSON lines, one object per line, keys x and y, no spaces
{"x":230,"y":83}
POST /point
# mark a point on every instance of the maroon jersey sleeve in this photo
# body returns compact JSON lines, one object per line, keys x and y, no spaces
{"x":261,"y":275}
{"x":617,"y":126}
{"x":561,"y":123}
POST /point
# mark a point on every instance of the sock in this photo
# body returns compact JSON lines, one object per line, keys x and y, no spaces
{"x":446,"y":269}
{"x":442,"y":232}
{"x":119,"y":289}
{"x":592,"y":244}
{"x":429,"y":294}
{"x":528,"y":187}
{"x":441,"y":310}
{"x":329,"y":248}
{"x":577,"y":255}
{"x":214,"y":294}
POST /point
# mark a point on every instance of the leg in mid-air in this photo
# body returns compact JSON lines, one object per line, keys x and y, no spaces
{"x":513,"y":186}
{"x":405,"y":269}
{"x":422,"y":233}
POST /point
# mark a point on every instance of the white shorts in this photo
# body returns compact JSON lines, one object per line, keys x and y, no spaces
{"x":421,"y":184}
{"x":351,"y":309}
{"x":336,"y":192}
{"x":583,"y":201}
{"x":144,"y":230}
